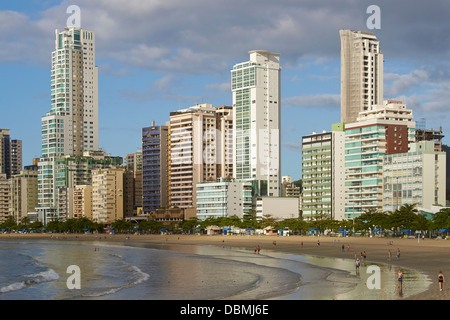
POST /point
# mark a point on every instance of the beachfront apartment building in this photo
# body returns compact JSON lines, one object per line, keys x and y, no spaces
{"x":5,"y":194}
{"x":195,"y":151}
{"x":82,"y":201}
{"x":383,"y":130}
{"x":23,"y":194}
{"x":134,"y":165}
{"x":224,"y":198}
{"x":71,"y":125}
{"x":255,"y":86}
{"x":323,"y":174}
{"x":108,"y":195}
{"x":71,"y":171}
{"x":155,"y":167}
{"x":361,"y":73}
{"x":416,"y":177}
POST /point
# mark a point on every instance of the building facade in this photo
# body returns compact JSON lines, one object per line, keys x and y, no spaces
{"x":361,"y":73}
{"x":255,"y":87}
{"x":155,"y":168}
{"x":24,"y":194}
{"x":82,"y":202}
{"x":71,"y":125}
{"x":385,"y":129}
{"x":194,"y":151}
{"x":417,"y":177}
{"x":224,"y":198}
{"x":5,"y":195}
{"x":278,"y":208}
{"x":108,"y":195}
{"x":323,"y":174}
{"x":10,"y":154}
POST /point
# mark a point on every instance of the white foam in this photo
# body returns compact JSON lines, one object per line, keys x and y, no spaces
{"x":35,"y":279}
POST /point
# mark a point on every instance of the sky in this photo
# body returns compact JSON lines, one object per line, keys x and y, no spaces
{"x":158,"y":56}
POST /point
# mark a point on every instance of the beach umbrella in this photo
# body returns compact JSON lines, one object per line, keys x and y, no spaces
{"x":408,"y":231}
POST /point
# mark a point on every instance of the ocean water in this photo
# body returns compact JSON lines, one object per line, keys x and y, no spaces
{"x":38,"y":270}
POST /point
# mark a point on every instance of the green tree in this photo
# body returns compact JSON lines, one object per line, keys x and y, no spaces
{"x":150,"y":225}
{"x":404,"y":217}
{"x":441,"y":219}
{"x":9,"y":223}
{"x":122,"y":225}
{"x":189,"y":225}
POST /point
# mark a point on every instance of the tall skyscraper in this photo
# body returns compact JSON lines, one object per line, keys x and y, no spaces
{"x":361,"y":73}
{"x":71,"y":125}
{"x":255,"y":85}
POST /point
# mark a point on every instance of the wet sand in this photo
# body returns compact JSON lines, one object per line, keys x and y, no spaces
{"x":428,"y":256}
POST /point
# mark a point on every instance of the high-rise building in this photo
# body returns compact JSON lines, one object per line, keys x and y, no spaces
{"x":24,"y":194}
{"x":16,"y":157}
{"x":385,"y":129}
{"x":416,"y":177}
{"x":361,"y":73}
{"x":5,"y":196}
{"x":323,"y":174}
{"x":108,"y":195}
{"x":71,"y":125}
{"x":10,"y":154}
{"x":255,"y":85}
{"x":71,"y":171}
{"x":82,"y":201}
{"x":155,"y":168}
{"x":195,"y":151}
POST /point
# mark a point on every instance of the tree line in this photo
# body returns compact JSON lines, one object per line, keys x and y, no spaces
{"x":406,"y":217}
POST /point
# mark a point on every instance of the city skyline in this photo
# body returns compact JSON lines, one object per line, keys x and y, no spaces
{"x":181,"y":64}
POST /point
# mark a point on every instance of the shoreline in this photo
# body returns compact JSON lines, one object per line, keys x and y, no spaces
{"x":428,"y":256}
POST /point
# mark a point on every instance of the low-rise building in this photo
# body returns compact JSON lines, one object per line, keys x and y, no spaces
{"x":278,"y":208}
{"x":224,"y":198}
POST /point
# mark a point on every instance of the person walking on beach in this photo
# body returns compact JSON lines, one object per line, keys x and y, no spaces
{"x":389,"y":254}
{"x":365,"y":257}
{"x":398,"y":253}
{"x":343,"y":248}
{"x":441,"y":280}
{"x":318,"y":242}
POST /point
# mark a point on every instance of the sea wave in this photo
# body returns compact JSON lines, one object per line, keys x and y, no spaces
{"x":33,"y":279}
{"x":140,"y":277}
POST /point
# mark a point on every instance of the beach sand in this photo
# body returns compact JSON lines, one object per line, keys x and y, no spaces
{"x":428,"y":256}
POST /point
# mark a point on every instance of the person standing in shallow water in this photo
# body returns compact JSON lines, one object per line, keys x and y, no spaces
{"x":400,"y":280}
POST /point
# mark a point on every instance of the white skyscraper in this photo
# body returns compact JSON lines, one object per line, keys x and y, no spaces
{"x":256,"y":115}
{"x":71,"y":125}
{"x":361,"y":73}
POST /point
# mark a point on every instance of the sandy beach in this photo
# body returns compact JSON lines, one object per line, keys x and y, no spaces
{"x":428,"y":256}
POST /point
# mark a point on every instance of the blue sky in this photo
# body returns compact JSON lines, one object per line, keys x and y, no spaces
{"x":158,"y":56}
